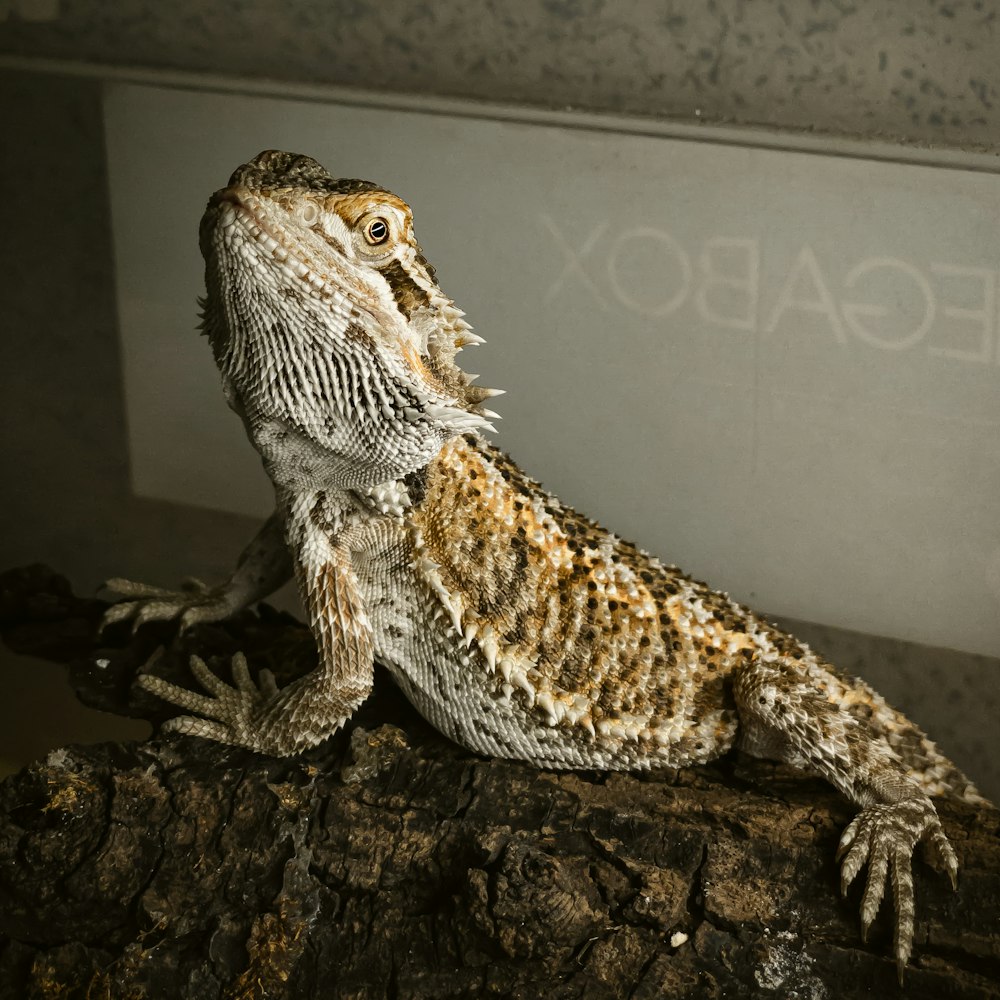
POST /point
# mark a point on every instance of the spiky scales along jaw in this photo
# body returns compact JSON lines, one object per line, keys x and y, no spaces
{"x":328,"y":325}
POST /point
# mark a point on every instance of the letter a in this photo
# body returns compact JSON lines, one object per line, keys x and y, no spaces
{"x":821,"y":302}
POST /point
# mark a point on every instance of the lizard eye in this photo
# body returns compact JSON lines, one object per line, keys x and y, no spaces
{"x":376,"y":231}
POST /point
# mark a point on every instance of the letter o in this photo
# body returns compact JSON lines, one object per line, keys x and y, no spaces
{"x":673,"y":247}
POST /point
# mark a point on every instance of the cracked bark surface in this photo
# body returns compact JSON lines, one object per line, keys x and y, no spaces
{"x":392,"y":863}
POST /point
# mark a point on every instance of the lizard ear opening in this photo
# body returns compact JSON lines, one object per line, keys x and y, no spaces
{"x":307,"y":213}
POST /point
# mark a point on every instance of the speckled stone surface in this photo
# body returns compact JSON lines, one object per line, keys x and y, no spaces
{"x":924,"y":72}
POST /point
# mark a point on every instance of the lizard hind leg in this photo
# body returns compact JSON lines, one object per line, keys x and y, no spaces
{"x":788,"y":713}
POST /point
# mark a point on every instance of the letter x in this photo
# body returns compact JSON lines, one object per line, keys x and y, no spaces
{"x":574,"y":260}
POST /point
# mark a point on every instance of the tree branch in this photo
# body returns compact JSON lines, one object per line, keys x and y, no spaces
{"x":390,"y":862}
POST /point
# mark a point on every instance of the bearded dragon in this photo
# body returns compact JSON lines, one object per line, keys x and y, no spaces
{"x":515,"y":625}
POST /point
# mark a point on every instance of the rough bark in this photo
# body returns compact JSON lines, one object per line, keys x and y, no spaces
{"x":391,"y":863}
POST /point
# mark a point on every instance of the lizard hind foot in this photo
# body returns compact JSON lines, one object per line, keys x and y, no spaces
{"x":884,"y":835}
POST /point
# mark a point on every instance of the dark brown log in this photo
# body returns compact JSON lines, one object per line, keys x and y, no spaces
{"x":391,"y":863}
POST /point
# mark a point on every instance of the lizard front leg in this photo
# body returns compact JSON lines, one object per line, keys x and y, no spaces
{"x":307,"y":711}
{"x":263,"y":566}
{"x":785,"y":715}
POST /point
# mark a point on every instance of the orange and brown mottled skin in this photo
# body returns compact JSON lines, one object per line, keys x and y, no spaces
{"x":595,"y":618}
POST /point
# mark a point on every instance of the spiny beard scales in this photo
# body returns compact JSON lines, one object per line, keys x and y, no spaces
{"x":353,"y":352}
{"x":297,"y":361}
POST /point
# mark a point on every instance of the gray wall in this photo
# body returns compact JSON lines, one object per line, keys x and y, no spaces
{"x":887,"y":70}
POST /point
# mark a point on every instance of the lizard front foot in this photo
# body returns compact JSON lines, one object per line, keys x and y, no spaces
{"x":193,"y":604}
{"x":885,"y":835}
{"x":261,"y":717}
{"x":230,"y":712}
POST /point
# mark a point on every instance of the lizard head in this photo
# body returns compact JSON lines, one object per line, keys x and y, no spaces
{"x":325,"y":317}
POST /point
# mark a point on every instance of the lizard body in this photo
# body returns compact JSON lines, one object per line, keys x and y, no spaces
{"x":515,"y":625}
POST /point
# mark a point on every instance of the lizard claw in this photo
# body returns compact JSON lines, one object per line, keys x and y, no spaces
{"x":884,"y":836}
